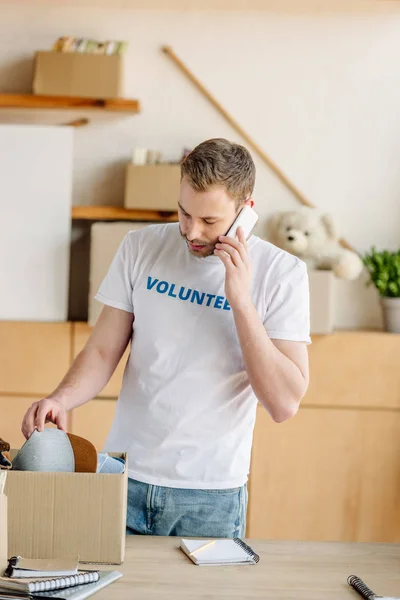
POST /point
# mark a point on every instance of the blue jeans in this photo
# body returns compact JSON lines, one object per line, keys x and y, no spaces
{"x":156,"y":510}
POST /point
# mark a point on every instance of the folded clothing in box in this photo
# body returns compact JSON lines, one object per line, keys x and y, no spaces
{"x":53,"y":450}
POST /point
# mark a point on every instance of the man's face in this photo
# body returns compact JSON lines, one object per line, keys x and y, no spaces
{"x":204,"y":216}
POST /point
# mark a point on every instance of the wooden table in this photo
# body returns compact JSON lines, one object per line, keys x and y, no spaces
{"x":154,"y":567}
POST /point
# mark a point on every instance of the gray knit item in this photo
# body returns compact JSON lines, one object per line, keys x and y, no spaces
{"x":47,"y":451}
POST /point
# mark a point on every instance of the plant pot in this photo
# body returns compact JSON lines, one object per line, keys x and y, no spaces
{"x":391,"y":313}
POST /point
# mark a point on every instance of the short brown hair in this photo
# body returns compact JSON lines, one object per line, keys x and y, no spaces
{"x":220,"y":162}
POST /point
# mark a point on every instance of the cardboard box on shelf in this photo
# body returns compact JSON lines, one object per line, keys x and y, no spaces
{"x":152,"y":187}
{"x":3,"y":533}
{"x":322,"y":308}
{"x":76,"y":74}
{"x":53,"y":515}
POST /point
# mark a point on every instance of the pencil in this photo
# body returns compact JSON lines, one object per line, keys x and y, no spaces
{"x":203,"y":547}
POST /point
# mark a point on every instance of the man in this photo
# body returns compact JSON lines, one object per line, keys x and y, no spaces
{"x":216,"y":324}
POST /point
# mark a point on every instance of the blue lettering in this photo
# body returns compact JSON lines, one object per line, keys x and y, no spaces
{"x":210,"y":297}
{"x":197,"y":296}
{"x":164,"y":285}
{"x":218,"y":301}
{"x":181,"y":291}
{"x":171,"y":291}
{"x":151,"y":283}
{"x":226,"y":306}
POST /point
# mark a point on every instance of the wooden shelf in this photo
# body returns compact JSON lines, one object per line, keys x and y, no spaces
{"x":116,"y":213}
{"x":62,"y":110}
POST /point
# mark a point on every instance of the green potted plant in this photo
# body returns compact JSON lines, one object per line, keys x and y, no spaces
{"x":384,"y":271}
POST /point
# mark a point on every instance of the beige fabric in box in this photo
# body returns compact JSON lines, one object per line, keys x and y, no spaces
{"x":54,"y":515}
{"x":105,"y":239}
{"x":3,"y":533}
{"x":152,"y":187}
{"x":78,"y":74}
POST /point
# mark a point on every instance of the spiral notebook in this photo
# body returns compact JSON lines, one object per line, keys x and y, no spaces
{"x":41,"y":567}
{"x":219,"y":552}
{"x":364,"y":590}
{"x":76,"y":592}
{"x":34,"y":585}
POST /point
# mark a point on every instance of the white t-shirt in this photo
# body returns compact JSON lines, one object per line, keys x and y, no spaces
{"x":186,"y":410}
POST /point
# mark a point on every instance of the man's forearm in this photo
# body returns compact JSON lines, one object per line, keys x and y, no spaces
{"x":87,"y":376}
{"x":276,"y":380}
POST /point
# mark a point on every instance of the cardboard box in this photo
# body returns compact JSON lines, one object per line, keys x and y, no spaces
{"x":152,"y":187}
{"x":54,"y":515}
{"x":3,"y":533}
{"x":322,"y":308}
{"x":105,"y":239}
{"x":76,"y":74}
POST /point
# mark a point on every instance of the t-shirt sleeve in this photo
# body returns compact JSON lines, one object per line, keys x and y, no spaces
{"x":288,"y":310}
{"x":116,"y":288}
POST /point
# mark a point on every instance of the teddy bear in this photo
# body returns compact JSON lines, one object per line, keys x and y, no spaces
{"x":312,"y":236}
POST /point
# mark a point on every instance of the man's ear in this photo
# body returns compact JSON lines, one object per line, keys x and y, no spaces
{"x":329,"y":225}
{"x":250,"y":202}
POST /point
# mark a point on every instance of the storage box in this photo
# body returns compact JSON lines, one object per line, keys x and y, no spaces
{"x":152,"y":187}
{"x":322,"y":309}
{"x":3,"y":533}
{"x":53,"y":515}
{"x":105,"y":239}
{"x":76,"y":74}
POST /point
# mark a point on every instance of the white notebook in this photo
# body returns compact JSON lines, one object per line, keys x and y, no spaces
{"x":80,"y":592}
{"x":35,"y":585}
{"x":41,"y":567}
{"x":219,"y":552}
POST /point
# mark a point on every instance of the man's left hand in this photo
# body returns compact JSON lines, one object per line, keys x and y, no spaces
{"x":235,"y":256}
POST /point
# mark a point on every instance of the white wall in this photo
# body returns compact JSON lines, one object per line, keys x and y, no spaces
{"x":35,"y":224}
{"x":319,"y":92}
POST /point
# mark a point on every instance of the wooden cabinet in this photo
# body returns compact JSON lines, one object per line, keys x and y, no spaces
{"x":13,"y":409}
{"x":93,"y":420}
{"x":330,"y":473}
{"x":34,"y":357}
{"x":81,"y":333}
{"x":355,"y":369}
{"x":327,"y":474}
